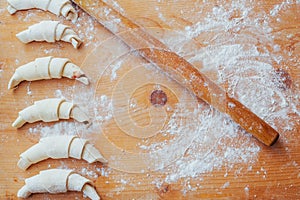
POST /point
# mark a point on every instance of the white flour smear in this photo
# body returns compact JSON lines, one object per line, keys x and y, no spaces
{"x":242,"y":62}
{"x":234,"y":54}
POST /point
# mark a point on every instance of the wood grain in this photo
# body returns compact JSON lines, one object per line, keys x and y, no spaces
{"x":275,"y":174}
{"x":181,"y":70}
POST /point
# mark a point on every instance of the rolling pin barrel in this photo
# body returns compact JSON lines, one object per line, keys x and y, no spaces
{"x":180,"y":70}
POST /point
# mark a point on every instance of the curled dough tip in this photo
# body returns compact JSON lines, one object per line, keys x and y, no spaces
{"x":75,"y":42}
{"x":83,"y":80}
{"x":57,"y":181}
{"x":47,"y":68}
{"x":60,"y":146}
{"x":50,"y":110}
{"x":19,"y":122}
{"x":13,"y":82}
{"x":91,"y":154}
{"x":79,"y":115}
{"x":90,"y":192}
{"x":57,"y":7}
{"x":49,"y":31}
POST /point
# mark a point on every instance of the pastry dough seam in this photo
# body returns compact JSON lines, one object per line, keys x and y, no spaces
{"x":48,"y":66}
{"x":57,"y":110}
{"x":54,"y":31}
{"x":62,"y":8}
{"x":69,"y":147}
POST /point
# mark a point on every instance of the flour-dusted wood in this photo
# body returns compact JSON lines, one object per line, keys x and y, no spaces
{"x":60,"y":146}
{"x":47,"y":68}
{"x":57,"y":181}
{"x":181,"y":70}
{"x":58,"y":7}
{"x":49,"y":110}
{"x":270,"y":173}
{"x":50,"y":31}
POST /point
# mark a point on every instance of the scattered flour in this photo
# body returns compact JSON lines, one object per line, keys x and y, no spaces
{"x":2,"y":64}
{"x":89,"y":173}
{"x":237,"y":61}
{"x":277,"y":8}
{"x":226,"y":185}
{"x":212,"y":152}
{"x":246,"y":66}
{"x":115,"y":69}
{"x":246,"y":189}
{"x":104,"y":172}
{"x":85,"y":27}
{"x":60,"y":128}
{"x":59,"y":94}
{"x":115,"y":5}
{"x":29,"y":92}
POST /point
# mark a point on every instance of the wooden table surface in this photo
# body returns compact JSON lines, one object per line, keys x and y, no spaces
{"x":266,"y":33}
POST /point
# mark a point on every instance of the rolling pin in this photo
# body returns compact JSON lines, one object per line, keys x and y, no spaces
{"x":178,"y":68}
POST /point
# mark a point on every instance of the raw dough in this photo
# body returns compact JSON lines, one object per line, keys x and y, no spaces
{"x":47,"y":68}
{"x":49,"y":110}
{"x":58,"y":7}
{"x":56,"y":147}
{"x":57,"y":181}
{"x":49,"y":31}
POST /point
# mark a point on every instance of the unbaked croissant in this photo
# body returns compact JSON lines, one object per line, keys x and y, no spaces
{"x":47,"y":68}
{"x":57,"y":181}
{"x":62,"y":146}
{"x":49,"y":110}
{"x":49,"y":31}
{"x":58,"y":7}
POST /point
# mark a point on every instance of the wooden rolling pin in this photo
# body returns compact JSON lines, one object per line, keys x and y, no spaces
{"x":178,"y":68}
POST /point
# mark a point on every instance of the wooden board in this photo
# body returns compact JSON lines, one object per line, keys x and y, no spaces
{"x":272,"y":173}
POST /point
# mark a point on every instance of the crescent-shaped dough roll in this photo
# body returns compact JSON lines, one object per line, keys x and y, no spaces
{"x":57,"y":147}
{"x":49,"y":110}
{"x":57,"y":181}
{"x":49,"y":31}
{"x":58,"y":7}
{"x":47,"y":68}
